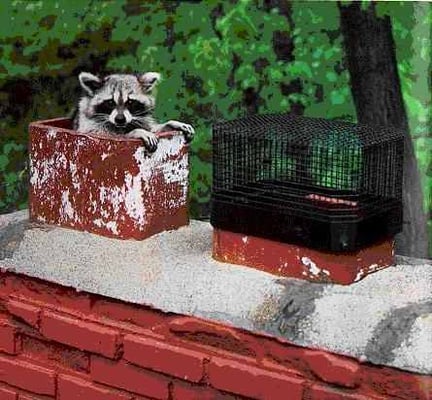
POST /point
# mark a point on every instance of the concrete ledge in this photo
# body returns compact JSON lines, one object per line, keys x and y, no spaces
{"x":385,"y":319}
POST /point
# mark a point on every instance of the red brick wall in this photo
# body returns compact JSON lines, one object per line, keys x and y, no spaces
{"x":56,"y":343}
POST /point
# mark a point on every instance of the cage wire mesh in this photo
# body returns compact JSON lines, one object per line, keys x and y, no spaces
{"x":330,"y":185}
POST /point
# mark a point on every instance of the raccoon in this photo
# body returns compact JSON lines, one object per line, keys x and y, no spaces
{"x":123,"y":104}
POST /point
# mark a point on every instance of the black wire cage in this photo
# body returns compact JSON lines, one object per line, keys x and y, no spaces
{"x":329,"y":185}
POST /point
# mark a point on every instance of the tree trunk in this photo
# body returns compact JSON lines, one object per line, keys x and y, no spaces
{"x":375,"y":85}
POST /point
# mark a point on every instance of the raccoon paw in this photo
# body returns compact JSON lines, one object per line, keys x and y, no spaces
{"x":188,"y":130}
{"x":149,"y":139}
{"x":188,"y":133}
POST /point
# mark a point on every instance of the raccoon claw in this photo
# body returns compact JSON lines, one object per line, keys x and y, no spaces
{"x":150,"y":140}
{"x":150,"y":143}
{"x":189,"y":135}
{"x":188,"y":132}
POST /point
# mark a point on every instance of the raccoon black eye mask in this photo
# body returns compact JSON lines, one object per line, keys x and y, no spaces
{"x":123,"y":104}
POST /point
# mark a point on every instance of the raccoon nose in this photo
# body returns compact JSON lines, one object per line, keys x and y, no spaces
{"x":120,"y":119}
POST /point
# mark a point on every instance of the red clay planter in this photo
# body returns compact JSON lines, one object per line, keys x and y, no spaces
{"x":298,"y":261}
{"x":106,"y":185}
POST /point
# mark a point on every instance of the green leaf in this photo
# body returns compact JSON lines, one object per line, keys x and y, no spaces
{"x":331,"y":76}
{"x":4,"y":161}
{"x":337,"y":97}
{"x":11,"y":178}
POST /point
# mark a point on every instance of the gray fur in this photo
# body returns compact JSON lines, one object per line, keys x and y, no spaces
{"x":123,"y":104}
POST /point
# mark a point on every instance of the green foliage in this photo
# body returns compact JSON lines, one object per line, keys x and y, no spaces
{"x":343,"y":153}
{"x":32,"y":32}
{"x":14,"y":182}
{"x":319,"y":61}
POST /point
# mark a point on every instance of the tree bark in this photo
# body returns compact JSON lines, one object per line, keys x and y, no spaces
{"x":375,"y":86}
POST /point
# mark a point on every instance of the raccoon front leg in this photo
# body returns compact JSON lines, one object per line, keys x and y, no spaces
{"x":188,"y":130}
{"x":149,"y":138}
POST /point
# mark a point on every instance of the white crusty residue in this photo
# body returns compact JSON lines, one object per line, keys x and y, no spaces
{"x":111,"y":225}
{"x":74,"y":174}
{"x":359,"y":275}
{"x":168,"y":148}
{"x":134,"y":201}
{"x":112,"y":195}
{"x":362,"y":272}
{"x":282,"y":266}
{"x":313,"y":269}
{"x":144,"y":163}
{"x":173,"y":171}
{"x":67,"y":211}
{"x":43,"y":170}
{"x":41,"y":218}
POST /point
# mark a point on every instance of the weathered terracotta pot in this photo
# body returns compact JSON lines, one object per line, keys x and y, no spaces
{"x":104,"y":184}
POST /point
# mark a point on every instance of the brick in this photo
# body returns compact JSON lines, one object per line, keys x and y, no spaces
{"x":424,"y":386}
{"x":172,"y":360}
{"x":72,"y":388}
{"x":56,"y":354}
{"x":215,"y":335}
{"x":126,"y":376}
{"x":285,"y":355}
{"x":185,"y":391}
{"x":6,"y":394}
{"x":24,"y":329}
{"x":318,"y":392}
{"x":8,"y":340}
{"x":394,"y":383}
{"x":27,"y":376}
{"x":142,"y":398}
{"x":28,"y":396}
{"x":333,"y":369}
{"x":253,"y":382}
{"x":25,"y":312}
{"x":47,"y":294}
{"x":5,"y":318}
{"x":83,"y":335}
{"x":142,"y":316}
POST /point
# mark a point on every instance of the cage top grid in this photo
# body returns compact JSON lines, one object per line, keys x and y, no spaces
{"x":335,"y":157}
{"x":301,"y":129}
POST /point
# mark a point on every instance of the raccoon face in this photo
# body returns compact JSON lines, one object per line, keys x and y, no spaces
{"x":119,"y":103}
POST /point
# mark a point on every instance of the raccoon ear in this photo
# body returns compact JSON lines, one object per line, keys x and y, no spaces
{"x":149,"y":80}
{"x":89,"y":82}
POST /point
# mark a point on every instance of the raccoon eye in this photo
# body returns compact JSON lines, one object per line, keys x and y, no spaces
{"x":106,"y":107}
{"x":134,"y":106}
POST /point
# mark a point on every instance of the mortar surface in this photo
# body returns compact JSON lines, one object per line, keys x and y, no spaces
{"x":385,"y":319}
